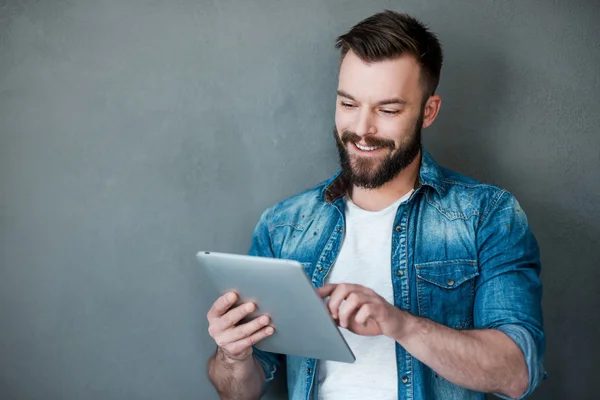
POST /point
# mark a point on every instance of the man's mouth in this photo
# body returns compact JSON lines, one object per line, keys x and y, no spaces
{"x":367,"y":148}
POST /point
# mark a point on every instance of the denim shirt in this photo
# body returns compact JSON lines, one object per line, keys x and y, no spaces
{"x":463,"y":255}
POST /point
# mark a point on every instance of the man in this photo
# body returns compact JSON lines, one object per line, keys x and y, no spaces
{"x":438,"y":274}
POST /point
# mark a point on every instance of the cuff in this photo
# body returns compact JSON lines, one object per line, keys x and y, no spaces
{"x":535,"y":364}
{"x":269,"y":364}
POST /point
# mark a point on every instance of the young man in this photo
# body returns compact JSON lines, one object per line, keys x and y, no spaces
{"x":438,"y":273}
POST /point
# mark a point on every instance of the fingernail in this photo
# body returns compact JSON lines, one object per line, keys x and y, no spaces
{"x":249,"y":307}
{"x":269,"y":331}
{"x":230,"y":297}
{"x":264,"y":320}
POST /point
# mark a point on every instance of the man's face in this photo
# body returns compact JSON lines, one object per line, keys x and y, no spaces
{"x":378,"y":118}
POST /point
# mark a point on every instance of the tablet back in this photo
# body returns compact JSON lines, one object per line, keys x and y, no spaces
{"x":280,"y":289}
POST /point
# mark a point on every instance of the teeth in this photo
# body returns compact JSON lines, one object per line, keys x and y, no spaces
{"x":363,"y":148}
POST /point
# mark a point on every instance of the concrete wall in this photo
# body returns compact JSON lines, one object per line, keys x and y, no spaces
{"x":134,"y":133}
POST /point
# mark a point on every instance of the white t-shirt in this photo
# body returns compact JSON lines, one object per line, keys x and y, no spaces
{"x":365,"y":259}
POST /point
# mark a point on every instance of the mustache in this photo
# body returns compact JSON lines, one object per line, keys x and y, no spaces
{"x":352,"y":137}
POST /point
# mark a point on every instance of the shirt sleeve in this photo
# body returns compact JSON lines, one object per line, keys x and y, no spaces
{"x":509,"y":289}
{"x":261,"y":246}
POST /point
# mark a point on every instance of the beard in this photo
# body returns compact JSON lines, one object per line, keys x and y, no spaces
{"x":374,"y":172}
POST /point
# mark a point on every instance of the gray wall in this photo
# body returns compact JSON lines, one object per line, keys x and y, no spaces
{"x":134,"y":133}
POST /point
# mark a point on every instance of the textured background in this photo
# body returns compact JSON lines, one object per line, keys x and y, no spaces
{"x":134,"y":133}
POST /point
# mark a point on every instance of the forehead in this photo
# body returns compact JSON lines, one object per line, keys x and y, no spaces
{"x":382,"y":79}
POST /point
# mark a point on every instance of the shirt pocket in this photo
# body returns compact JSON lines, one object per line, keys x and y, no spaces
{"x":446,"y":292}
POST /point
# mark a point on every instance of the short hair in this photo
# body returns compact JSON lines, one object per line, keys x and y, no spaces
{"x":388,"y":35}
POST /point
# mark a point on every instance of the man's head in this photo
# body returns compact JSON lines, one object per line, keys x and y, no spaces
{"x":389,"y":70}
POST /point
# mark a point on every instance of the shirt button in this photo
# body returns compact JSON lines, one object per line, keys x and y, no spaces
{"x":450,"y":282}
{"x":398,"y":228}
{"x":308,"y":371}
{"x":404,"y":379}
{"x":400,"y":272}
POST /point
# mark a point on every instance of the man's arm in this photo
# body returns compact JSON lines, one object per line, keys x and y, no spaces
{"x":504,"y":353}
{"x":234,"y":371}
{"x":238,"y":370}
{"x":481,"y":360}
{"x":236,"y":379}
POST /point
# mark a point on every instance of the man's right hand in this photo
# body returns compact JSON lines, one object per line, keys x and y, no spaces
{"x":236,"y":341}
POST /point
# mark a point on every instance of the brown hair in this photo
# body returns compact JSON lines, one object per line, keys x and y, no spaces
{"x":388,"y":35}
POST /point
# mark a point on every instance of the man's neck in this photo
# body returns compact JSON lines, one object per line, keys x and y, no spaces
{"x":384,"y":196}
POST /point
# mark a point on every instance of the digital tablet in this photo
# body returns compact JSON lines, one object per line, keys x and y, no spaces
{"x":281,"y":290}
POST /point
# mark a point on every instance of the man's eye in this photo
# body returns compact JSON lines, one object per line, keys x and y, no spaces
{"x":346,"y":105}
{"x":390,"y":112}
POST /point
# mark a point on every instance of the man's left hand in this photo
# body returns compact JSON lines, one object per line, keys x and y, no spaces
{"x":364,"y":312}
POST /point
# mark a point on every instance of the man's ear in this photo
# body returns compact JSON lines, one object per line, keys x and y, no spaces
{"x":432,"y":107}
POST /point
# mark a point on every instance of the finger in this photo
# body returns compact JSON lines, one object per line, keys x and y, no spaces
{"x":326,"y":290}
{"x":235,"y":315}
{"x":351,"y":305}
{"x":343,"y":293}
{"x":242,"y":345}
{"x":243,"y":331}
{"x":363,"y":314}
{"x":338,"y":295}
{"x":221,"y":305}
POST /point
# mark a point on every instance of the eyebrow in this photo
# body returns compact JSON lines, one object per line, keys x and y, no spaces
{"x":393,"y":100}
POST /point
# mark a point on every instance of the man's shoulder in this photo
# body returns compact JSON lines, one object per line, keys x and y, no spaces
{"x":463,"y":196}
{"x":302,"y":206}
{"x":457,"y":181}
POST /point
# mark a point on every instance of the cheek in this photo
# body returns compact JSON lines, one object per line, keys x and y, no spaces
{"x":390,"y":130}
{"x":397,"y":129}
{"x":343,"y":120}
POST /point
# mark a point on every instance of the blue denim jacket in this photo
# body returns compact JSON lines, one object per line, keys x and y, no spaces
{"x":462,"y":255}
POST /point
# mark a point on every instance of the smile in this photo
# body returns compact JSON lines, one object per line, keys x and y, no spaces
{"x":366,"y":148}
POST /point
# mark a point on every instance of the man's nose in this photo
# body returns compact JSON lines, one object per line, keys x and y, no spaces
{"x":364,"y":124}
